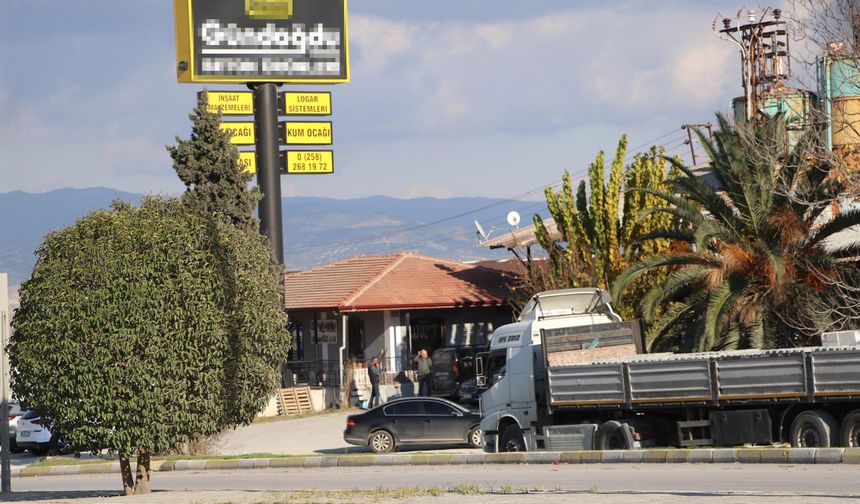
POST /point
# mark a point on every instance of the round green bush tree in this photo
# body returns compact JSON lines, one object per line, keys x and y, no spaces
{"x":143,"y":328}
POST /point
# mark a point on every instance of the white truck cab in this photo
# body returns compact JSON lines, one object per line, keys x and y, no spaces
{"x":511,"y":372}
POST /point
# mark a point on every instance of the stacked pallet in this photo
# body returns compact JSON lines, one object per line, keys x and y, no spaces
{"x":294,"y":401}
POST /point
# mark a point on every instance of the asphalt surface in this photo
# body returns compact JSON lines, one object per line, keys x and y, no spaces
{"x":548,"y":483}
{"x":319,"y":434}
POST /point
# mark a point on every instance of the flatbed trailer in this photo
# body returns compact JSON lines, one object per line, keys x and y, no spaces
{"x":575,"y":383}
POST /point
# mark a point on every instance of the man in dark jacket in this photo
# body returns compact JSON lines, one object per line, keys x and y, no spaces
{"x":373,"y":372}
{"x":425,"y":368}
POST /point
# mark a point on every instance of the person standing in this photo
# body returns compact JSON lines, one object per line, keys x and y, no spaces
{"x":425,"y":368}
{"x":373,"y":372}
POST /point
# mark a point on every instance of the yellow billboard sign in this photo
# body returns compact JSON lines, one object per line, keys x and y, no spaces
{"x":304,"y":103}
{"x":241,"y":133}
{"x":248,"y":161}
{"x":308,"y":162}
{"x":239,"y":41}
{"x":305,"y":132}
{"x":230,"y":102}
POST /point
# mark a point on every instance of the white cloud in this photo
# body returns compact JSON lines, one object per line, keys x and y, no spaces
{"x":699,"y":72}
{"x":382,"y":39}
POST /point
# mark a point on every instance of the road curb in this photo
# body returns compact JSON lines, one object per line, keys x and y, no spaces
{"x":660,"y":456}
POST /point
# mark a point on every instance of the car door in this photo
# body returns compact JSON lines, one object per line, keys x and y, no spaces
{"x":443,"y":423}
{"x":406,"y":421}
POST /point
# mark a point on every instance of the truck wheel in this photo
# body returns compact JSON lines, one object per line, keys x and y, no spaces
{"x":381,"y":442}
{"x":512,"y":440}
{"x":814,"y":429}
{"x":612,"y":435}
{"x":851,"y":430}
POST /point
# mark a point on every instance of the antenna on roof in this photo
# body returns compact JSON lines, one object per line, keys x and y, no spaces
{"x":482,"y":236}
{"x":514,"y":218}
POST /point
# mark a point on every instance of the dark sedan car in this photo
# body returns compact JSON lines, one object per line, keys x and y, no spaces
{"x":414,"y":420}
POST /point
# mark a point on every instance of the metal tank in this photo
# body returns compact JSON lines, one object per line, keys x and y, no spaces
{"x":798,"y":106}
{"x":839,"y":84}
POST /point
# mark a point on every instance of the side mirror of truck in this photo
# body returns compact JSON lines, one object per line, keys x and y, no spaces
{"x":481,"y":380}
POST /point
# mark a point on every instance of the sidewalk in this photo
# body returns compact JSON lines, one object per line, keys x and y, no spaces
{"x":671,"y":456}
{"x":441,"y":497}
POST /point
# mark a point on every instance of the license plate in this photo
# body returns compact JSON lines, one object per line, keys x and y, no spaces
{"x":25,"y":434}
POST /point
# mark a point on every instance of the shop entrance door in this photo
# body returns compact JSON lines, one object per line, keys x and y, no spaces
{"x":428,"y":334}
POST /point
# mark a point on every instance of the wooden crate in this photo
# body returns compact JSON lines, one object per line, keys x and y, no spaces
{"x":294,"y":401}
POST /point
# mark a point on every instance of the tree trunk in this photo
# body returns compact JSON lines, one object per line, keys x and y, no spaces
{"x":125,"y":471}
{"x":142,"y":484}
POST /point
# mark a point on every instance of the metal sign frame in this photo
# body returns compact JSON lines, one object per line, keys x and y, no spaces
{"x":186,"y":64}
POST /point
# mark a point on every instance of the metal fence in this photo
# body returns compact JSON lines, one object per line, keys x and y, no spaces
{"x":321,"y":373}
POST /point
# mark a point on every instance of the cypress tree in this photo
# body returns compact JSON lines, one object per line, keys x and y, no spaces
{"x":208,"y":165}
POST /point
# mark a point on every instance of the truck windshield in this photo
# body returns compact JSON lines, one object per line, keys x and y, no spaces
{"x":496,"y":367}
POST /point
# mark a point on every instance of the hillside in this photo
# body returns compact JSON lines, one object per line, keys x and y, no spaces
{"x":316,"y":230}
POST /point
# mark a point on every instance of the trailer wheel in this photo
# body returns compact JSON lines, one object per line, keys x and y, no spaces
{"x":512,"y":440}
{"x":851,"y":430}
{"x":814,"y":429}
{"x":613,"y":435}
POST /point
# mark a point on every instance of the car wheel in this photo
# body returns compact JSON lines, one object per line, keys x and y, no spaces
{"x":476,"y":437}
{"x":38,"y":451}
{"x":381,"y":442}
{"x":13,"y":447}
{"x":62,"y":443}
{"x":512,"y":440}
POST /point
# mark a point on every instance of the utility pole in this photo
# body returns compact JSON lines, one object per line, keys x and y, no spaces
{"x":689,"y":141}
{"x":5,"y":462}
{"x":268,"y":165}
{"x":765,"y":61}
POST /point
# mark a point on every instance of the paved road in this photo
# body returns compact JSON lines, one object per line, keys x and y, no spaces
{"x":320,"y":434}
{"x":809,"y":481}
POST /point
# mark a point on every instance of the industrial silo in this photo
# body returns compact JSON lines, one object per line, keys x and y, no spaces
{"x":839,"y":82}
{"x":798,"y":107}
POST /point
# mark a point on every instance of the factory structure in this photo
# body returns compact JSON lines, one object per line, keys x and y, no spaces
{"x":833,"y":108}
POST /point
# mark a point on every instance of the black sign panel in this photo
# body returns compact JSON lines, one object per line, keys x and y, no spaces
{"x":263,"y":40}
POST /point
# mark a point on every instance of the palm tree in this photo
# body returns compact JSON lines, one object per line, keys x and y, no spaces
{"x":756,"y":271}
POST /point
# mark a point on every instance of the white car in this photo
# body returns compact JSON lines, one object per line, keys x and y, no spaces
{"x":14,"y":414}
{"x":32,"y":434}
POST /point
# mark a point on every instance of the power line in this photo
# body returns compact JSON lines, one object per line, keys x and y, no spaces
{"x":577,"y":176}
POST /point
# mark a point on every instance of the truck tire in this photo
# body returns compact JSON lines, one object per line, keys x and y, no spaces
{"x":512,"y":440}
{"x":851,"y":430}
{"x":613,"y":435}
{"x":814,"y":429}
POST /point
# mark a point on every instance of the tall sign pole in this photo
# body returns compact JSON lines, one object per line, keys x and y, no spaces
{"x":268,"y":165}
{"x":259,"y":43}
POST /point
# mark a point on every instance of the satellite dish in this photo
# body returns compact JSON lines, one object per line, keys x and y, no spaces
{"x":514,"y":218}
{"x":481,"y":232}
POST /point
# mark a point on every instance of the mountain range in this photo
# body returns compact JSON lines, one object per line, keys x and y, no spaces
{"x":316,"y":230}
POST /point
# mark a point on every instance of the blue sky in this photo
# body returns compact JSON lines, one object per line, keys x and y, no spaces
{"x":448,"y":98}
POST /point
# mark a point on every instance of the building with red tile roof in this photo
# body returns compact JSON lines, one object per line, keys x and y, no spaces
{"x":389,"y":306}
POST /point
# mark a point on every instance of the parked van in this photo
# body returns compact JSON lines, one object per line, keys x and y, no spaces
{"x":451,"y":367}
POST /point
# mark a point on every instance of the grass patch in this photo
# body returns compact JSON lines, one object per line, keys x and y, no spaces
{"x":63,"y":461}
{"x":358,"y":495}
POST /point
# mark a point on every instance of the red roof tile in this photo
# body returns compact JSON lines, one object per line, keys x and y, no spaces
{"x":398,"y":281}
